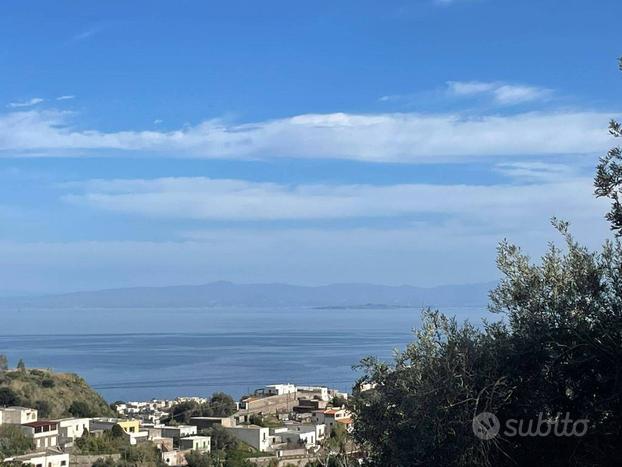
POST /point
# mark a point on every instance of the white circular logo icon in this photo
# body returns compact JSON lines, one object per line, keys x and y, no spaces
{"x":486,"y":425}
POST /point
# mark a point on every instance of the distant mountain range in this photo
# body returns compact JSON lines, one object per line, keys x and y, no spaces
{"x":263,"y":295}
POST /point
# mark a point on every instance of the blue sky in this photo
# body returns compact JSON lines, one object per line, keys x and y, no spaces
{"x":157,"y":143}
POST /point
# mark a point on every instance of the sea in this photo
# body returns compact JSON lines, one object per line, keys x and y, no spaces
{"x":140,"y":354}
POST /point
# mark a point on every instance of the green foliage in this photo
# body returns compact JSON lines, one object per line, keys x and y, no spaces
{"x":13,"y":442}
{"x":81,"y":409}
{"x":144,"y":454}
{"x":558,"y":350}
{"x":108,"y":443}
{"x":105,"y":462}
{"x":200,"y":459}
{"x":47,"y":383}
{"x":221,"y":438}
{"x":8,"y":397}
{"x":21,"y":366}
{"x":219,"y":405}
{"x":4,"y":363}
{"x":117,"y":432}
{"x":267,"y":421}
{"x":44,"y":408}
{"x":608,"y":181}
{"x":141,"y":454}
{"x":232,"y":457}
{"x":237,"y":458}
{"x":339,"y":401}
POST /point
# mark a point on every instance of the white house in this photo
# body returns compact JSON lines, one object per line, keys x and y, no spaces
{"x":49,"y":458}
{"x":179,"y":431}
{"x":313,"y":392}
{"x":17,"y":415}
{"x":196,"y":443}
{"x":278,"y":389}
{"x":43,"y":432}
{"x":331,"y":417}
{"x":131,"y":428}
{"x":71,"y":428}
{"x":253,"y":435}
{"x":298,"y":435}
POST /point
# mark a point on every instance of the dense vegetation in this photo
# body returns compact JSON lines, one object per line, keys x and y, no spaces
{"x":55,"y":395}
{"x":145,"y":454}
{"x":219,"y":405}
{"x":115,"y":441}
{"x":13,"y":442}
{"x":555,"y":355}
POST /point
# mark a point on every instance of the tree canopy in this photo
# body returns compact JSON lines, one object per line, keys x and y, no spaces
{"x":551,"y":354}
{"x":608,"y":181}
{"x":13,"y":442}
{"x":219,"y":405}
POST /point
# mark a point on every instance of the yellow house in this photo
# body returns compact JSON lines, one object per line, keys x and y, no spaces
{"x":129,"y":426}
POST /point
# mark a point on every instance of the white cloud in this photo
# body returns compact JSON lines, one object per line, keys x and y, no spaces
{"x":447,"y":2}
{"x":28,"y":103}
{"x":468,"y":88}
{"x":502,"y":93}
{"x":65,"y":98}
{"x":434,"y":233}
{"x":396,"y":137}
{"x":87,"y":33}
{"x":210,"y":199}
{"x":534,"y":171}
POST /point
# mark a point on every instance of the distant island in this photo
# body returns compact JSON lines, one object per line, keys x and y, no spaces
{"x":228,"y":294}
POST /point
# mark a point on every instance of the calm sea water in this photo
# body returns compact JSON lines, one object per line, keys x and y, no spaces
{"x":130,"y":354}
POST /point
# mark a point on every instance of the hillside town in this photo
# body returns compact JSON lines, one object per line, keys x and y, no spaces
{"x":277,"y":425}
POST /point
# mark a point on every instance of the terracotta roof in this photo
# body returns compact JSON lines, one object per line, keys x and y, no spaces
{"x":40,"y":423}
{"x":345,"y":421}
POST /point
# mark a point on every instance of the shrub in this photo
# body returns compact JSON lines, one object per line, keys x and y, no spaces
{"x":48,"y":383}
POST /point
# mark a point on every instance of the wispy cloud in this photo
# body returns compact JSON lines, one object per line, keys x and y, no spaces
{"x":65,"y":98}
{"x":216,"y":199}
{"x":450,"y":2}
{"x":502,"y":93}
{"x":27,"y":103}
{"x":535,"y":171}
{"x":397,"y":137}
{"x":87,"y":33}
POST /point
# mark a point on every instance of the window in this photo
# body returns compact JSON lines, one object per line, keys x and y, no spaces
{"x":63,"y":462}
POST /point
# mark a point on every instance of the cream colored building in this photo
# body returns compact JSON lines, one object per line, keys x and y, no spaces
{"x":17,"y":415}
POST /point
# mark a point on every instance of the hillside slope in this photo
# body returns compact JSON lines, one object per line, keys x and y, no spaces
{"x":55,"y":395}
